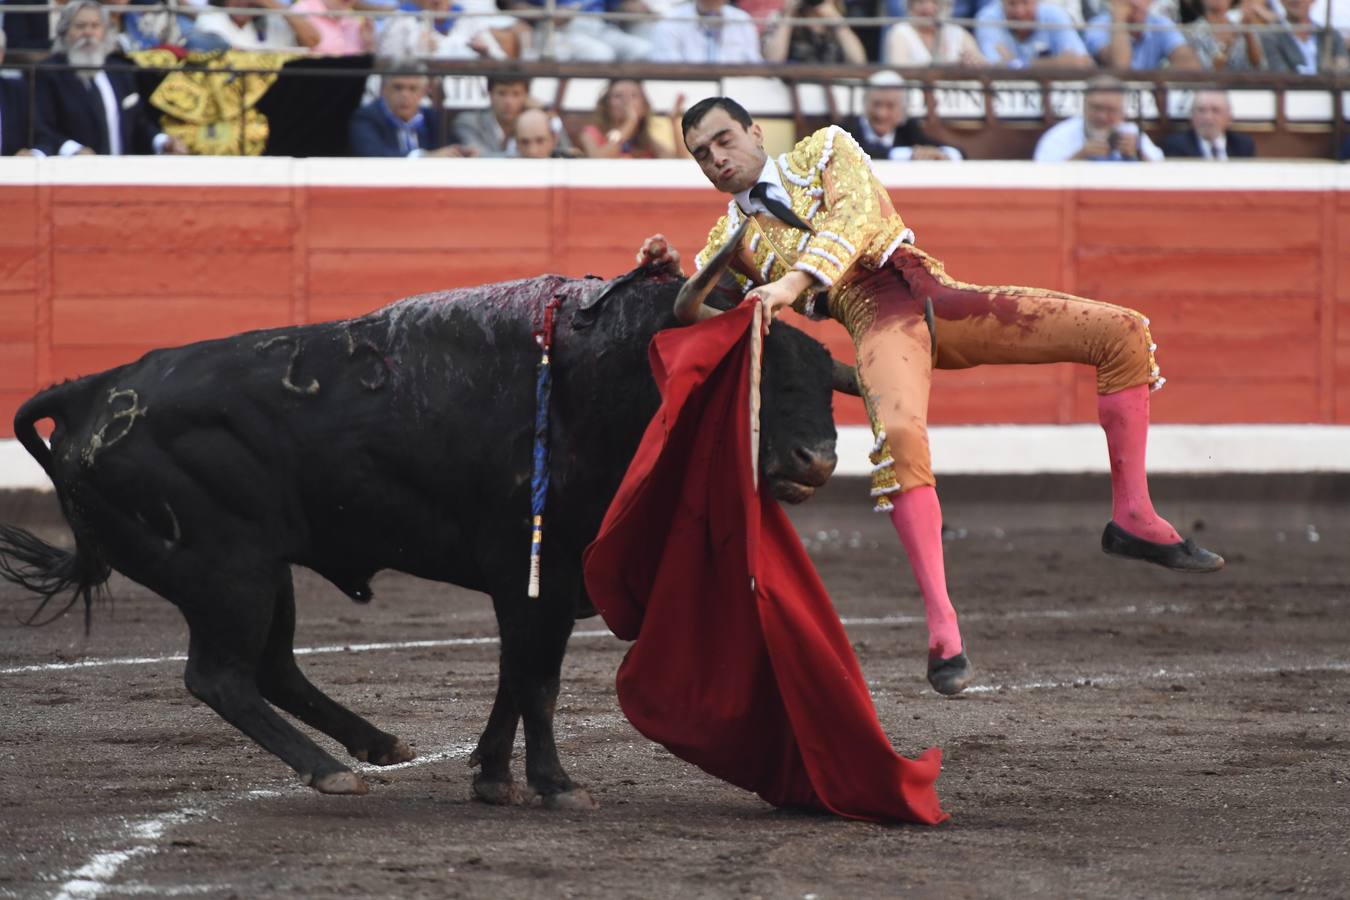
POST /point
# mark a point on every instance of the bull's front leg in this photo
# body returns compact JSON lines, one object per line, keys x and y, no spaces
{"x":534,"y":639}
{"x":493,"y":782}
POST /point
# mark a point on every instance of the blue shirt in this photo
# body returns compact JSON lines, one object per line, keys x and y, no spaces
{"x":409,"y":133}
{"x":586,"y":6}
{"x":992,"y":32}
{"x":1149,"y":49}
{"x":442,"y":26}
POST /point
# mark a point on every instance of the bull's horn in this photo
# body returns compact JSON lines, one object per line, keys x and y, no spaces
{"x":696,"y":289}
{"x":845,"y":379}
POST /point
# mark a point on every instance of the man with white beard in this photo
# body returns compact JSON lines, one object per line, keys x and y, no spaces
{"x":93,"y":110}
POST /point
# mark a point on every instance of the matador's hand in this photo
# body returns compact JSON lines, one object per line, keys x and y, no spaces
{"x":777,"y":294}
{"x":656,"y":251}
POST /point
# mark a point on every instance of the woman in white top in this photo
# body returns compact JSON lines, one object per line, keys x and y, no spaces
{"x":928,"y":41}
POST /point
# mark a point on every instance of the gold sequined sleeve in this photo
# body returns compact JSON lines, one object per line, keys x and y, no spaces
{"x":851,"y":217}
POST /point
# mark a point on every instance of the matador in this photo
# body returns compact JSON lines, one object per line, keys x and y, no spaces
{"x":825,"y":239}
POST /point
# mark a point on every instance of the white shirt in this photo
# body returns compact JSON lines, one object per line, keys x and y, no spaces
{"x":1216,"y":149}
{"x":112,"y":116}
{"x":1309,"y":47}
{"x":1061,"y":142}
{"x":245,"y":37}
{"x":1340,"y":15}
{"x":768,"y":175}
{"x":728,"y":38}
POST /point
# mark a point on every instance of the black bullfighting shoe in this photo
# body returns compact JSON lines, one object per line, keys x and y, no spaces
{"x":950,"y":675}
{"x":1183,"y":557}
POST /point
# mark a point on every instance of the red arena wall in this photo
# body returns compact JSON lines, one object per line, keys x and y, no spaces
{"x":1246,"y":288}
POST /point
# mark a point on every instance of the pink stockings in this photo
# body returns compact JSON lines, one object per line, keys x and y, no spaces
{"x":918,"y":520}
{"x":917,"y":516}
{"x":1124,"y":418}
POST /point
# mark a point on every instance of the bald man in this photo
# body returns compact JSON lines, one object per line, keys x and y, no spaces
{"x":1209,"y":137}
{"x":534,"y":135}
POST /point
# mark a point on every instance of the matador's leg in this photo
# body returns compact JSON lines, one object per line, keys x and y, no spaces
{"x":979,"y":325}
{"x":895,"y":366}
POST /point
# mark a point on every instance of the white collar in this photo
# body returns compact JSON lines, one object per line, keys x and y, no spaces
{"x":885,"y":140}
{"x":769,"y":175}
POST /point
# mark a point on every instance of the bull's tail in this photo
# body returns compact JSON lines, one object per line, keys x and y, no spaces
{"x":25,"y":559}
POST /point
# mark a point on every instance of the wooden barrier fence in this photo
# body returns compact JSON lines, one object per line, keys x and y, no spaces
{"x":1243,"y":270}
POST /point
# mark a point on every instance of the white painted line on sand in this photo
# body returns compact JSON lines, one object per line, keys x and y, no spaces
{"x":1158,"y":675}
{"x":862,"y":621}
{"x":92,"y":878}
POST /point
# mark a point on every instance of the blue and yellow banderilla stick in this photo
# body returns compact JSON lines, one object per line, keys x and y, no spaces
{"x":539,"y":477}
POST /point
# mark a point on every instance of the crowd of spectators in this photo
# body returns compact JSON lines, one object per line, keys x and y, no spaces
{"x":95,"y":108}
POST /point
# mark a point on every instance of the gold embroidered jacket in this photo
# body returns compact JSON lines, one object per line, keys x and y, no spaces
{"x":831,"y":185}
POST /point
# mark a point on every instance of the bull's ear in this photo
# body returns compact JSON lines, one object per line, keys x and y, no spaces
{"x":696,"y":289}
{"x":845,"y":379}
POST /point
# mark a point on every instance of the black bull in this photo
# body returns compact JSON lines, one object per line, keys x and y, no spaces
{"x":400,"y":440}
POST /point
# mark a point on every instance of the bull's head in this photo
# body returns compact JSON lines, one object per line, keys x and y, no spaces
{"x":797,"y":434}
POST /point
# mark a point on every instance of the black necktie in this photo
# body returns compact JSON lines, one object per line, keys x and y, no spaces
{"x":780,"y":209}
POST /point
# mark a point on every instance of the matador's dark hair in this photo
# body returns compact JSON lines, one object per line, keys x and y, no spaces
{"x":695,"y":113}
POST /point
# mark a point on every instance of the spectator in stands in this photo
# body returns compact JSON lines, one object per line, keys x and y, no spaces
{"x":763,"y":10}
{"x":1117,"y":47}
{"x":579,"y":35}
{"x":1024,"y":33}
{"x":620,"y":127}
{"x":492,"y":131}
{"x":826,"y":40}
{"x":885,"y":131}
{"x":1209,"y":137}
{"x":1340,"y":15}
{"x":1101,"y":134}
{"x":706,"y":31}
{"x":316,"y":28}
{"x":396,"y":125}
{"x":537,"y":135}
{"x":451,"y":35}
{"x":1218,"y":42}
{"x":929,"y":40}
{"x":27,"y":30}
{"x":243,"y":32}
{"x":1303,"y":47}
{"x":93,"y":110}
{"x":13,"y":109}
{"x":656,"y":9}
{"x":146,"y":30}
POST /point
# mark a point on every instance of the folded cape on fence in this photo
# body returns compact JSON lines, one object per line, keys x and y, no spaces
{"x":740,"y":665}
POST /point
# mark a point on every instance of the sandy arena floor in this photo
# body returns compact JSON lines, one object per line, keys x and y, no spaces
{"x":1134,"y":733}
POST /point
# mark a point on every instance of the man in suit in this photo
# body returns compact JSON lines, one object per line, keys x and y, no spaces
{"x":13,"y":110}
{"x":492,"y":131}
{"x":96,"y":108}
{"x":395,"y":125}
{"x":885,"y":131}
{"x":1209,"y":137}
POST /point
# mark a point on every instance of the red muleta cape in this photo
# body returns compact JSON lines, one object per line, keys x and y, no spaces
{"x":740,"y":665}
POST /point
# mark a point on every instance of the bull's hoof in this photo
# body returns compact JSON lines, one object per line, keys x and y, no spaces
{"x":344,"y":782}
{"x":577,"y":798}
{"x":496,"y":792}
{"x":396,"y":753}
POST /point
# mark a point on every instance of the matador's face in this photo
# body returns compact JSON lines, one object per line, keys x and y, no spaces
{"x":730,"y":155}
